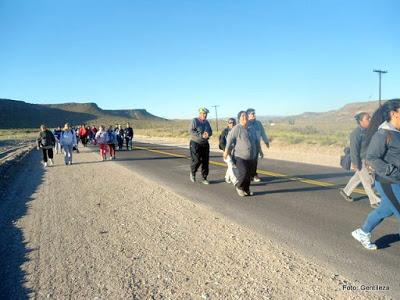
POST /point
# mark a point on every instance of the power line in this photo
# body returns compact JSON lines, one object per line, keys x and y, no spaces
{"x":216,"y":115}
{"x":380,"y":72}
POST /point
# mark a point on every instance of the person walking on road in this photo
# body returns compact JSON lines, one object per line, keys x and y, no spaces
{"x":128,"y":133}
{"x":243,"y":143}
{"x":230,"y":176}
{"x":101,"y":140}
{"x":83,"y":134}
{"x":357,"y":153}
{"x":200,"y":131}
{"x":68,"y":141}
{"x":120,"y":137}
{"x":46,"y":141}
{"x":57,"y":134}
{"x":261,"y":135}
{"x":111,"y":141}
{"x":383,"y":155}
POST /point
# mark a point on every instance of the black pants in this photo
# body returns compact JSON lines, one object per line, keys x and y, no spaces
{"x":128,"y":141}
{"x":120,"y":141}
{"x":245,"y":166}
{"x":253,"y":168}
{"x":84,"y":140}
{"x":47,"y":153}
{"x":200,"y":154}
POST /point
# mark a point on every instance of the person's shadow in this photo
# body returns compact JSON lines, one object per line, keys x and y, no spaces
{"x":14,"y":201}
{"x":386,"y":241}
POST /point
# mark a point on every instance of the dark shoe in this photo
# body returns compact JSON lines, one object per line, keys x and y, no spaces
{"x":345,"y":196}
{"x":192,"y":177}
{"x":249,"y":193}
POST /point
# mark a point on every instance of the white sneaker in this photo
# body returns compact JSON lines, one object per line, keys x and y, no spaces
{"x":227,"y":180}
{"x":240,"y":192}
{"x":364,"y":238}
{"x":256,"y":179}
{"x":45,"y":164}
{"x":51,"y":162}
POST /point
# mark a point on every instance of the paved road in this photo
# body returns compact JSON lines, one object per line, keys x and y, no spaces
{"x":302,"y":209}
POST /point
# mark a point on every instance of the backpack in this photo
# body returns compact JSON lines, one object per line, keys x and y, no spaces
{"x":222,"y":140}
{"x":345,"y":160}
{"x":109,"y":137}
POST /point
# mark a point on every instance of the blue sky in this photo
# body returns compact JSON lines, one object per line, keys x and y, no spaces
{"x":170,"y":57}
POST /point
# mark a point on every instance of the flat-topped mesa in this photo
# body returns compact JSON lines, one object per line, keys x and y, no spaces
{"x":20,"y":114}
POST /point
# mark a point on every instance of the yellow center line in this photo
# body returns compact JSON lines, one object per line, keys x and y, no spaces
{"x":264,"y":172}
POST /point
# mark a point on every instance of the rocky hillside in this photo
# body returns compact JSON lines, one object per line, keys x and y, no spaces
{"x":19,"y":114}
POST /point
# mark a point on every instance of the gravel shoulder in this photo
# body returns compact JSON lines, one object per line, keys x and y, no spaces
{"x":97,"y":230}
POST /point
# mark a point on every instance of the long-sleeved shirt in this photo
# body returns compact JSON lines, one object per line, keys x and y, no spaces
{"x":68,"y":137}
{"x":259,"y":129}
{"x":196,"y":130}
{"x":243,"y":141}
{"x":383,"y":153}
{"x":357,"y":146}
{"x":46,"y":139}
{"x":128,"y":132}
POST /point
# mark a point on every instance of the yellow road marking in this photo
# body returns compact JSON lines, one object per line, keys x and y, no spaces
{"x":264,"y":172}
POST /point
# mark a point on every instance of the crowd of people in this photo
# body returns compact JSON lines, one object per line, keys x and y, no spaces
{"x":374,"y":153}
{"x":66,"y":140}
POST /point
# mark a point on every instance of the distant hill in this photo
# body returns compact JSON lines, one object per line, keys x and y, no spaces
{"x":19,"y":114}
{"x":342,"y":118}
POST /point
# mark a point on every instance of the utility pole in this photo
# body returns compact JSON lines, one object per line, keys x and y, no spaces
{"x":380,"y":72}
{"x":216,"y":115}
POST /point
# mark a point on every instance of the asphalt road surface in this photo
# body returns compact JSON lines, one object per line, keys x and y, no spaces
{"x":296,"y":204}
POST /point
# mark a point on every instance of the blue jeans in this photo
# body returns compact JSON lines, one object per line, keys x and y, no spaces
{"x":384,"y":210}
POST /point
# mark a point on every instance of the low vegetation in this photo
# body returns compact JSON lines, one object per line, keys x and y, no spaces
{"x":283,"y":132}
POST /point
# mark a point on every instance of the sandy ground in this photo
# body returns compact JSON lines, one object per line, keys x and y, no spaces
{"x":95,"y":230}
{"x":311,"y":154}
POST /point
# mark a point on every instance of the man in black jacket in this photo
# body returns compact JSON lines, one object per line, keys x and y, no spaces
{"x":46,"y":141}
{"x":128,"y":133}
{"x":358,"y":153}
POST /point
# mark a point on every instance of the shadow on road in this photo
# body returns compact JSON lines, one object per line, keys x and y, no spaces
{"x":386,"y":241}
{"x":302,"y":189}
{"x":15,"y":194}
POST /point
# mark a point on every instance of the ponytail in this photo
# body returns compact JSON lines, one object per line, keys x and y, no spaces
{"x":381,"y":115}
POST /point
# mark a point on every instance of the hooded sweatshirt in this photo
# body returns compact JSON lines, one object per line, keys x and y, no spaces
{"x":68,"y":138}
{"x":101,"y":137}
{"x":383,"y":153}
{"x":243,"y":141}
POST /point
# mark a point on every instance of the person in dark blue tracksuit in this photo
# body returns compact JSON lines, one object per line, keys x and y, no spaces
{"x":383,"y":156}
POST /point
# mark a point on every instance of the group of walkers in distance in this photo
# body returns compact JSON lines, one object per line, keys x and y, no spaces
{"x":374,"y":154}
{"x":65,"y":140}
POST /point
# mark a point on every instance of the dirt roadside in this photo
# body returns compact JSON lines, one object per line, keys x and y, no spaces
{"x":95,"y":230}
